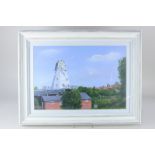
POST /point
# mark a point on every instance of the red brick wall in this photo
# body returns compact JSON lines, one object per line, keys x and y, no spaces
{"x":86,"y":104}
{"x":55,"y":105}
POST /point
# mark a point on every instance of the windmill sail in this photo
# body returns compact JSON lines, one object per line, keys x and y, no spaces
{"x":60,"y":80}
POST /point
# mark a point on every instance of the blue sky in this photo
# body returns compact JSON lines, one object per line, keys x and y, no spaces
{"x":87,"y":65}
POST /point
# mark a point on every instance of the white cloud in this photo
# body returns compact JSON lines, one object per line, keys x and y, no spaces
{"x":105,"y":57}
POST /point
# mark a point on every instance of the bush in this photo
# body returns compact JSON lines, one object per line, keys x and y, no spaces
{"x":37,"y":103}
{"x":108,"y":103}
{"x":71,"y":99}
{"x":105,"y":98}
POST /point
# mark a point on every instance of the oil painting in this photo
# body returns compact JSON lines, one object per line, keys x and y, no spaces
{"x":79,"y":77}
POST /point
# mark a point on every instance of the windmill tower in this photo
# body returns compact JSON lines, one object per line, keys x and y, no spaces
{"x":60,"y":80}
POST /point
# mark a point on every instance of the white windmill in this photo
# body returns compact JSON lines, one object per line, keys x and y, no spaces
{"x":60,"y":79}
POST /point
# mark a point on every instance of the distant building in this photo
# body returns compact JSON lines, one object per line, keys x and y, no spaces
{"x":108,"y":86}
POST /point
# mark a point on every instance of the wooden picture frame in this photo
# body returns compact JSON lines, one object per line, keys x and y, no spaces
{"x":130,"y":115}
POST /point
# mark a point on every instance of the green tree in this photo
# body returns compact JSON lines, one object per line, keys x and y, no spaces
{"x":122,"y":76}
{"x":35,"y":88}
{"x":71,"y":99}
{"x":37,"y":103}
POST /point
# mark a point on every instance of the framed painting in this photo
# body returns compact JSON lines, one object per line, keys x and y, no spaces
{"x":79,"y":77}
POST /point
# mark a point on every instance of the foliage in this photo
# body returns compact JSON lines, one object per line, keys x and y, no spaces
{"x":93,"y":92}
{"x":71,"y":99}
{"x":35,"y":88}
{"x":122,"y":76}
{"x":104,"y":98}
{"x":37,"y":103}
{"x":109,"y":103}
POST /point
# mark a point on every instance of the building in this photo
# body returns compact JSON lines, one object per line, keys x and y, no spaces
{"x":51,"y":102}
{"x":113,"y":86}
{"x":85,"y":101}
{"x":51,"y":99}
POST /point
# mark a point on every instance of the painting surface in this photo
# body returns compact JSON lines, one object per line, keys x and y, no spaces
{"x":79,"y":77}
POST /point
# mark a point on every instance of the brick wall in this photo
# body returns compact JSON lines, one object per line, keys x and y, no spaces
{"x":86,"y":104}
{"x":54,"y":105}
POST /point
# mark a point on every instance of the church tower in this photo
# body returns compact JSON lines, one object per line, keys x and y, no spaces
{"x":60,"y":79}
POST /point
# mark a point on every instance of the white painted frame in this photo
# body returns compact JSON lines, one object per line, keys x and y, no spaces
{"x":29,"y":116}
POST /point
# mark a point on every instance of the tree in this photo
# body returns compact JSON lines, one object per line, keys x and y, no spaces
{"x":71,"y":99}
{"x":122,"y":76}
{"x":35,"y":88}
{"x":37,"y":103}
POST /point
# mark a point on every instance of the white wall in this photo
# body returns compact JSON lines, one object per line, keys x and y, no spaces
{"x":8,"y":75}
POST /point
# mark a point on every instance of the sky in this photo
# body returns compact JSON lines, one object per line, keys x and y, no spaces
{"x":87,"y":65}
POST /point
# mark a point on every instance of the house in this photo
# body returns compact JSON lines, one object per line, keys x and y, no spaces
{"x":85,"y":101}
{"x":51,"y":102}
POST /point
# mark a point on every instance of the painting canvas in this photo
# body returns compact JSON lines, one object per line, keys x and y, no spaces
{"x":79,"y":77}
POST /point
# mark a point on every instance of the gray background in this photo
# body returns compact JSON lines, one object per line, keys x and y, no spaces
{"x":8,"y":76}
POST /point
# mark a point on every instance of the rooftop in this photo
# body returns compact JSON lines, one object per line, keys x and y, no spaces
{"x":51,"y":98}
{"x":84,"y":96}
{"x":56,"y":95}
{"x":47,"y":92}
